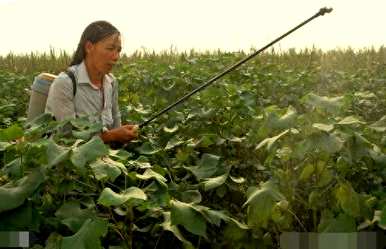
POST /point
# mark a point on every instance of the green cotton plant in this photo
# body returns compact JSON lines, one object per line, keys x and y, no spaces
{"x":291,"y":141}
{"x":13,"y":97}
{"x":85,"y":194}
{"x":295,"y":138}
{"x":319,"y":176}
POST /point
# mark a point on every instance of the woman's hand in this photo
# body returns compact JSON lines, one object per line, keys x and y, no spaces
{"x":122,"y":134}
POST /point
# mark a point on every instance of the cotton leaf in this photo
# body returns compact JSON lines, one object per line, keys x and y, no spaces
{"x":88,"y":152}
{"x":13,"y":194}
{"x":109,"y":198}
{"x":269,"y":142}
{"x":184,"y":214}
{"x":88,"y":237}
{"x":206,"y":167}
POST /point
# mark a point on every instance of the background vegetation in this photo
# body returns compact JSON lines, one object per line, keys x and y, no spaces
{"x":291,"y":141}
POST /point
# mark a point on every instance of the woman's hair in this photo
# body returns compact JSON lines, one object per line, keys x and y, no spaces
{"x":93,"y":33}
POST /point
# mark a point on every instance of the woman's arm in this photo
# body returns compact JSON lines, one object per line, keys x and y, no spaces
{"x":122,"y":134}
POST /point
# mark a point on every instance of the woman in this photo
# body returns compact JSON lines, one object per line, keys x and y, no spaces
{"x":96,"y":90}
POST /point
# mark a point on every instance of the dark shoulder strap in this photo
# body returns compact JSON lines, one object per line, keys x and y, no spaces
{"x":72,"y":77}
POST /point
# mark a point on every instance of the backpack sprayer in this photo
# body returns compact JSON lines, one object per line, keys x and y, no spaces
{"x":321,"y":12}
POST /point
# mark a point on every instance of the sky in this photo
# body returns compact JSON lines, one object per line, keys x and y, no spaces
{"x":161,"y":25}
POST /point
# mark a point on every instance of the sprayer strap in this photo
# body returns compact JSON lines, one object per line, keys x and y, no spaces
{"x":72,"y":77}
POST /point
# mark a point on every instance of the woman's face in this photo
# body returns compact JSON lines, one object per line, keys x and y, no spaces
{"x":105,"y":53}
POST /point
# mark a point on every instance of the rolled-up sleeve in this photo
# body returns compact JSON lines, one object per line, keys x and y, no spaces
{"x":115,"y":107}
{"x":60,"y":101}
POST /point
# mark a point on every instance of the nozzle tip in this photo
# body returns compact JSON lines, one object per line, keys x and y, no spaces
{"x":324,"y":10}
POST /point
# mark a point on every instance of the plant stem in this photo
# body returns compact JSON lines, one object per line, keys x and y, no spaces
{"x":301,"y":224}
{"x":199,"y":242}
{"x":156,"y":243}
{"x":314,"y":218}
{"x":124,"y":237}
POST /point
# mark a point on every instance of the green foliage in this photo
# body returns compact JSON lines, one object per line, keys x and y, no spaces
{"x":261,"y":203}
{"x":206,"y":167}
{"x":16,"y":192}
{"x":88,"y":236}
{"x":73,"y":216}
{"x":185,"y":214}
{"x":288,"y":142}
{"x":110,"y":198}
{"x":88,"y":152}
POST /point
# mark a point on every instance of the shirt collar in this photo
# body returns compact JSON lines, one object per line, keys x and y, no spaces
{"x":84,"y":78}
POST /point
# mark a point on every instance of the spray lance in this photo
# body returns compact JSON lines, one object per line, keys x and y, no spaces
{"x":321,"y":12}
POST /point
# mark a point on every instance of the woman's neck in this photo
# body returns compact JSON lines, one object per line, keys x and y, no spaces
{"x":96,"y":77}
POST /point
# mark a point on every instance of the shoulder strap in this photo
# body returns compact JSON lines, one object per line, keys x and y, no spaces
{"x":72,"y":77}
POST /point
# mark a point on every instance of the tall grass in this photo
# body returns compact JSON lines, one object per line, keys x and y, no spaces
{"x":35,"y":62}
{"x":347,"y":60}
